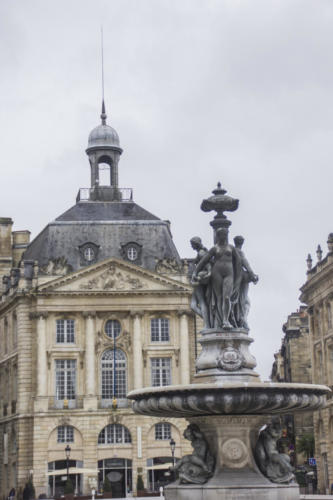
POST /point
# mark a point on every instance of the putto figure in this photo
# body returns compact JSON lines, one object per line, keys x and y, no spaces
{"x":198,"y":467}
{"x":274,"y":465}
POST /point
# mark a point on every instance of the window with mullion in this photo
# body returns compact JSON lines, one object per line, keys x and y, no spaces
{"x":108,"y":372}
{"x":160,"y":371}
{"x":114,"y":434}
{"x":162,"y":431}
{"x":65,"y":331}
{"x":65,"y":378}
{"x":65,"y":434}
{"x":159,"y":330}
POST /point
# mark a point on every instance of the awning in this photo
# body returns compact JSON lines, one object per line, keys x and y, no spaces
{"x":73,"y":470}
{"x":160,"y":466}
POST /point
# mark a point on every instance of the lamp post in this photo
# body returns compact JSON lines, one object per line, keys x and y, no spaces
{"x":68,"y":452}
{"x":173,"y":446}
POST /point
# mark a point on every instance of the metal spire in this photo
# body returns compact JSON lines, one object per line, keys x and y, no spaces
{"x":103,"y":115}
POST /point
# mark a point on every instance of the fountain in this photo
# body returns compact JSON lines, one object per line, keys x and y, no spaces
{"x":233,"y":416}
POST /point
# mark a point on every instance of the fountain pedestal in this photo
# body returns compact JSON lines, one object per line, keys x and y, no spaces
{"x":227,"y":404}
{"x":225,"y":355}
{"x":231,"y":440}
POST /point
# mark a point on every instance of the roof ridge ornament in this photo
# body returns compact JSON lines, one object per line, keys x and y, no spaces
{"x":219,"y":203}
{"x":103,"y":114}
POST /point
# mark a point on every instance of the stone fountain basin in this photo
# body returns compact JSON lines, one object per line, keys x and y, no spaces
{"x":228,"y":398}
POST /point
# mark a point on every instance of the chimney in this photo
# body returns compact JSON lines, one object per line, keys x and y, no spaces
{"x":6,"y":252}
{"x":21,"y":240}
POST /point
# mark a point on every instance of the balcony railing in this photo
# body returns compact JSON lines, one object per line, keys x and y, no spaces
{"x":105,"y":193}
{"x":108,"y":403}
{"x":65,"y":404}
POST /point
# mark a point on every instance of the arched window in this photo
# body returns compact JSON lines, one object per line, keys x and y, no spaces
{"x":114,"y":434}
{"x":114,"y":377}
{"x":105,"y":172}
{"x":162,"y":431}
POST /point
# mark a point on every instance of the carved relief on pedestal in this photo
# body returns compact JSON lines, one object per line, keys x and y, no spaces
{"x":230,"y":359}
{"x":234,"y":453}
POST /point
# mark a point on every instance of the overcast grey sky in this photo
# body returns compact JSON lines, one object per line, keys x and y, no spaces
{"x":199,"y":91}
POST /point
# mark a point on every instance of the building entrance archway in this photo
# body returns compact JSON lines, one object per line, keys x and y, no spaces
{"x":119,"y":473}
{"x":57,"y":482}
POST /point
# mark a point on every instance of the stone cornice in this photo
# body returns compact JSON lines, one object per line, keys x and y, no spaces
{"x":106,"y":293}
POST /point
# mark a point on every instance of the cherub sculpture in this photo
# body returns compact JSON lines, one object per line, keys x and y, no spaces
{"x":198,"y":467}
{"x":274,"y":465}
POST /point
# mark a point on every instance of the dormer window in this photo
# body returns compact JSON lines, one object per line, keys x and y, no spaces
{"x":132,"y":253}
{"x":88,"y":253}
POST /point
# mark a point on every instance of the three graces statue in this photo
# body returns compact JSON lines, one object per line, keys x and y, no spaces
{"x":221,"y":282}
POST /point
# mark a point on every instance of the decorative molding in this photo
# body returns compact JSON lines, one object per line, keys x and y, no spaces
{"x":64,"y":420}
{"x":87,"y":314}
{"x":113,"y":279}
{"x":48,"y":357}
{"x":38,"y":315}
{"x":134,"y":313}
{"x":81,"y":358}
{"x":168,"y":266}
{"x":115,"y":418}
{"x":56,"y":267}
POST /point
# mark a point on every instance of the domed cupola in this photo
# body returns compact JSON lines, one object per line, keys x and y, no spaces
{"x":103,"y":136}
{"x":104,"y":151}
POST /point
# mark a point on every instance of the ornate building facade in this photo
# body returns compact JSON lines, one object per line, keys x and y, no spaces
{"x":96,"y":305}
{"x":317,"y":294}
{"x":292,"y":363}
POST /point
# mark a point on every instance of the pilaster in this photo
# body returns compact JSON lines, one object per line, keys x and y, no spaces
{"x":137,"y":350}
{"x":90,"y":400}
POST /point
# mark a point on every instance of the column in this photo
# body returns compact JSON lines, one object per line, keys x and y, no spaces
{"x":137,"y":351}
{"x":41,"y":356}
{"x":90,"y":354}
{"x":184,"y":349}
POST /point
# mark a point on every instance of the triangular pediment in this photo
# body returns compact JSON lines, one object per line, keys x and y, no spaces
{"x":113,"y":275}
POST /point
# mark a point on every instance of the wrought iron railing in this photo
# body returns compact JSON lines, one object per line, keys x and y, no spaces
{"x":118,"y":194}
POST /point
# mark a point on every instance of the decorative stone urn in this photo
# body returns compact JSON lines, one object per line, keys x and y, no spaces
{"x":232,"y":415}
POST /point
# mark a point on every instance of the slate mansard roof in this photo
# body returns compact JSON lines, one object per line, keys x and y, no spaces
{"x":108,"y":225}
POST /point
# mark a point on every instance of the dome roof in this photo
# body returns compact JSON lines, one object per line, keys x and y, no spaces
{"x":103,"y":136}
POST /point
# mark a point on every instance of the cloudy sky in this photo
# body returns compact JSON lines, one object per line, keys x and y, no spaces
{"x":237,"y":91}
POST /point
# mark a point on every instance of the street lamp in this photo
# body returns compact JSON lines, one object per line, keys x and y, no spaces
{"x":173,"y":446}
{"x":68,"y":452}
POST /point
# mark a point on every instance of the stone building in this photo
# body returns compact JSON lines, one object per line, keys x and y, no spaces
{"x":95,"y":306}
{"x":317,"y":294}
{"x":292,"y":363}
